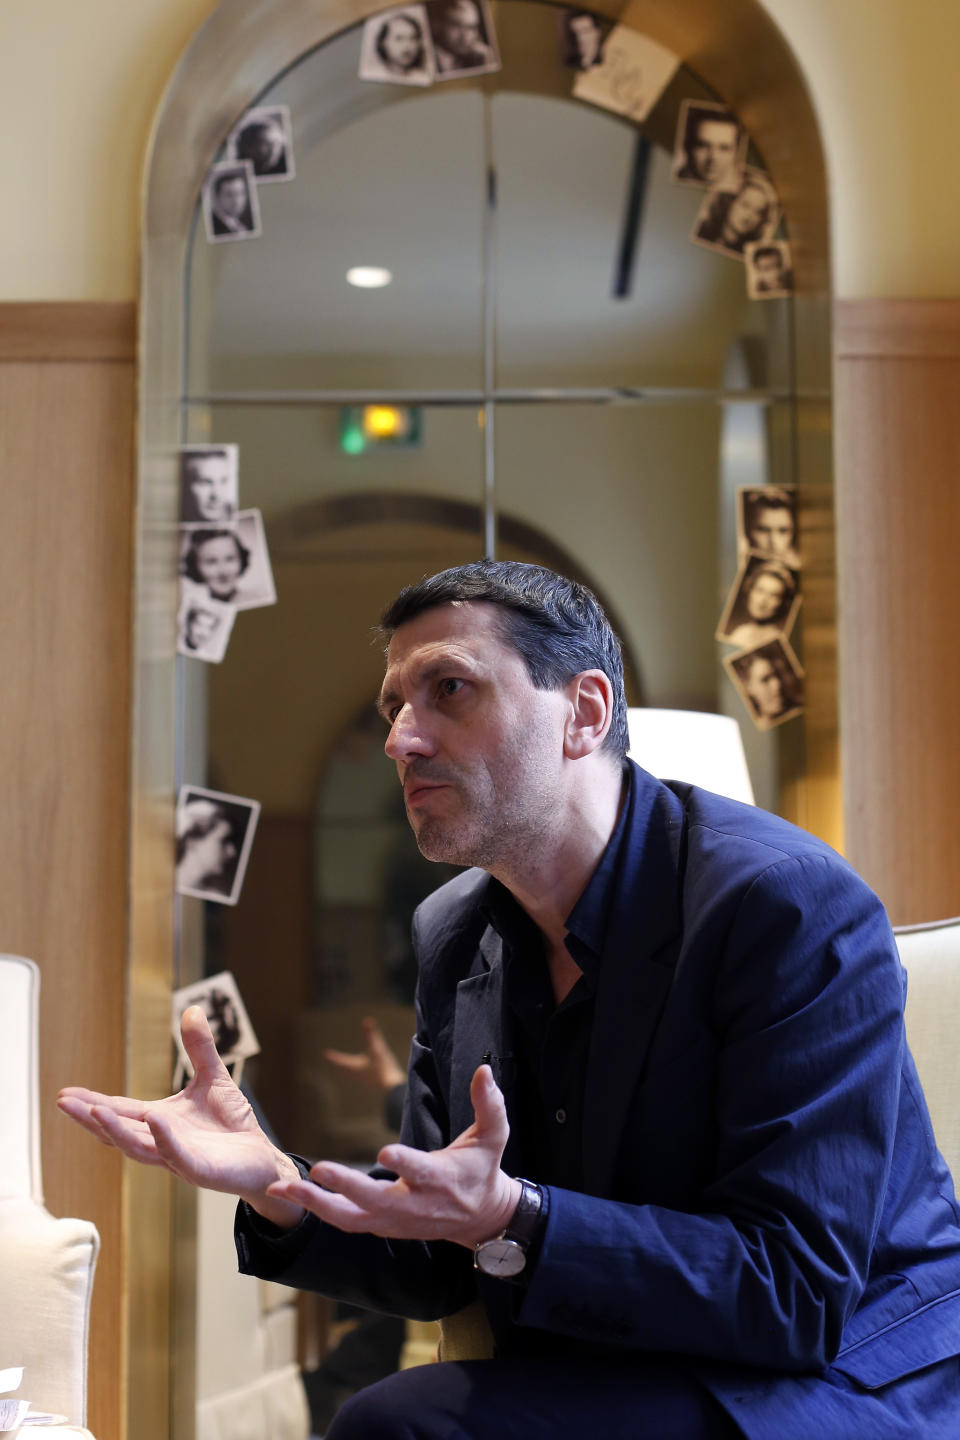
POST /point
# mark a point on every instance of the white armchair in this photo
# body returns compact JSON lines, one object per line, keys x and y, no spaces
{"x":46,"y":1265}
{"x":931,"y":957}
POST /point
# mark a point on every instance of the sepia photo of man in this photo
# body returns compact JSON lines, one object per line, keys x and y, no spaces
{"x":203,"y":626}
{"x":464,"y":42}
{"x":769,"y":271}
{"x":231,"y":210}
{"x":710,"y":147}
{"x":396,"y":47}
{"x":767,"y":522}
{"x":208,"y":484}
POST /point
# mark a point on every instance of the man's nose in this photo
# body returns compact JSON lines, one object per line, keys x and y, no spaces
{"x":408,"y":736}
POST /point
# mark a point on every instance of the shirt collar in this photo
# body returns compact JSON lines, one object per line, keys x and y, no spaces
{"x":587,"y":921}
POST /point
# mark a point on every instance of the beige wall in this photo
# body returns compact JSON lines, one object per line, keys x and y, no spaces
{"x":880,"y":73}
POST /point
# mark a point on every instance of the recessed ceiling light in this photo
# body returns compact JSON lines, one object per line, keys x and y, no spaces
{"x":368,"y":277}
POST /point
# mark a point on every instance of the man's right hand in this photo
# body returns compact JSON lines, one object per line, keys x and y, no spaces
{"x":208,"y":1135}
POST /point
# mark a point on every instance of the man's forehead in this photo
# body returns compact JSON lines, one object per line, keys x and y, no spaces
{"x":467,"y":629}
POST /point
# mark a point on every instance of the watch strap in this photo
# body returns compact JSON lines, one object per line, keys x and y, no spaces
{"x":525,"y":1224}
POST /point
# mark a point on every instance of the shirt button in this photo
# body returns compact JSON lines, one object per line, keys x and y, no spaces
{"x":561,"y":1117}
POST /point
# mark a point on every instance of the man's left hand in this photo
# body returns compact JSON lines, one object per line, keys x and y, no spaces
{"x":458,"y":1193}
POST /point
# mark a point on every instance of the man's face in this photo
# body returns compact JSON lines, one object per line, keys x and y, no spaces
{"x":768,"y":272}
{"x":765,"y":597}
{"x":208,"y":480}
{"x":232,"y":196}
{"x":218,"y":563}
{"x":478,"y":748}
{"x":460,"y":31}
{"x":714,"y":151}
{"x":771,"y":531}
{"x":401,"y":44}
{"x":765,"y":688}
{"x":201,"y":627}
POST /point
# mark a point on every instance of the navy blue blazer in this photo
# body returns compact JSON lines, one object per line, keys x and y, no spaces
{"x":763,"y":1194}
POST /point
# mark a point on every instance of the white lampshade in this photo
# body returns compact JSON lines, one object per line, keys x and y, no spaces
{"x":690,"y":745}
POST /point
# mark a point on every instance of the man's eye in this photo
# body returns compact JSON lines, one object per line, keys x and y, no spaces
{"x":450,"y":686}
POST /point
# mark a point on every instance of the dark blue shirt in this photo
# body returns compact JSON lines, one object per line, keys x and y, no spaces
{"x":548,"y":1044}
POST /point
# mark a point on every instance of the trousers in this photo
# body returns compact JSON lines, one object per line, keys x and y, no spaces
{"x":521,"y":1398}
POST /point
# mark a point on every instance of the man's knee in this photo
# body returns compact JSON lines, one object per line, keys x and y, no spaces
{"x":410,"y":1405}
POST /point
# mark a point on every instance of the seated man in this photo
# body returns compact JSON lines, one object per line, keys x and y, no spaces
{"x":678,"y":1018}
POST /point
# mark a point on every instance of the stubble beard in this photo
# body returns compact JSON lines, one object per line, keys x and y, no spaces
{"x":496,"y":828}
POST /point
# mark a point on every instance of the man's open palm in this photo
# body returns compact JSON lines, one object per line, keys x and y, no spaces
{"x":207,"y":1134}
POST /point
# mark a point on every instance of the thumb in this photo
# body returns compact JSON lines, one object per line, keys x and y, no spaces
{"x":199,"y":1045}
{"x":489,"y":1107}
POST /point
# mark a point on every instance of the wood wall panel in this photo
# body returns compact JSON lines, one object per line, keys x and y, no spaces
{"x":66,"y":459}
{"x":898,"y":505}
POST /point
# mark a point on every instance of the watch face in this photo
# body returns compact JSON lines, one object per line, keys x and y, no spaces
{"x":501,"y":1257}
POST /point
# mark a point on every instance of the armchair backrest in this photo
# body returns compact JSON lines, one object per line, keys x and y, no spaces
{"x":931,"y":957}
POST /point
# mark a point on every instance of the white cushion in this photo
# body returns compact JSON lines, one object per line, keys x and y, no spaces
{"x":46,"y":1278}
{"x":931,"y":956}
{"x":273,"y":1407}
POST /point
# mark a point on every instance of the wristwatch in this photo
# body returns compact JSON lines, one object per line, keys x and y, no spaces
{"x":506,"y":1255}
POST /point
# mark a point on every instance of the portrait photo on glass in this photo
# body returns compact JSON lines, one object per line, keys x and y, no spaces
{"x":230,"y":563}
{"x":464,"y":40}
{"x":233,"y":1034}
{"x":729,"y":221}
{"x":769,"y":681}
{"x":710,"y":147}
{"x":582,"y":37}
{"x":769,"y":269}
{"x":396,"y":47}
{"x":214,"y":833}
{"x":767,"y":522}
{"x":264,"y":137}
{"x":203,"y":625}
{"x":209,"y":484}
{"x":763,"y":602}
{"x":231,"y":210}
{"x":632,"y":74}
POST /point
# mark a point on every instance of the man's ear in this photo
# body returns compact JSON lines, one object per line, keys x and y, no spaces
{"x":591,"y":700}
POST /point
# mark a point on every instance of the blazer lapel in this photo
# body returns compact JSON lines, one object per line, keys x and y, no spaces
{"x":640,"y":949}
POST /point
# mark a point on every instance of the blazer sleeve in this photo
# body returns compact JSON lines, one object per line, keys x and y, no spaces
{"x":806,"y":1001}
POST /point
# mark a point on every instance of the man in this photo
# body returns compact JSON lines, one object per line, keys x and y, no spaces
{"x":677,"y":1018}
{"x":710,"y":151}
{"x":460,"y":38}
{"x":768,"y":272}
{"x":769,"y":524}
{"x":208,"y":486}
{"x":231,"y":206}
